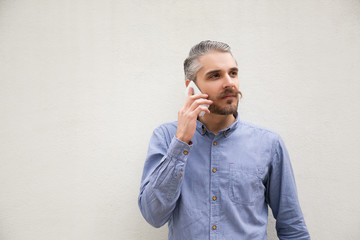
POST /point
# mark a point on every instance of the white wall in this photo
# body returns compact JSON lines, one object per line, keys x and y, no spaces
{"x":84,"y":83}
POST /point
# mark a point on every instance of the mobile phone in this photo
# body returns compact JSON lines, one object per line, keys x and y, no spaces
{"x":196,"y":91}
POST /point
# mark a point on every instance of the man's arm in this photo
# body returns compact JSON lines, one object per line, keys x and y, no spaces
{"x":282,"y":197}
{"x":162,"y":177}
{"x":166,"y":161}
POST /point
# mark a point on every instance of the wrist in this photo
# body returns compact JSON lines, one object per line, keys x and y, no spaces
{"x":184,"y":139}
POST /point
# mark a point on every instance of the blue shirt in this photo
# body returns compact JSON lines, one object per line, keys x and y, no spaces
{"x":220,"y":186}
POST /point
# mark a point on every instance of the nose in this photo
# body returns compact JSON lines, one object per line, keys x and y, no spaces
{"x":229,"y":82}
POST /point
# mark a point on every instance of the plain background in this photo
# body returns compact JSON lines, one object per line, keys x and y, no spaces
{"x":84,"y":83}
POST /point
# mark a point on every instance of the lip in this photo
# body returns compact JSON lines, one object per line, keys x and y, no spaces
{"x":229,"y":96}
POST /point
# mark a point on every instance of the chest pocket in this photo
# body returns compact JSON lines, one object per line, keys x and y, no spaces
{"x":245,"y":185}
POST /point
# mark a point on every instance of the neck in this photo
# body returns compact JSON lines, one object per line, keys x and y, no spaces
{"x":216,"y":123}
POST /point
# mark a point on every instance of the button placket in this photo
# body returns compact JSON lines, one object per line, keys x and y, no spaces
{"x":214,"y":188}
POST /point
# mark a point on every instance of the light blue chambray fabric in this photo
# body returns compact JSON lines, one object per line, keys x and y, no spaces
{"x":220,"y":186}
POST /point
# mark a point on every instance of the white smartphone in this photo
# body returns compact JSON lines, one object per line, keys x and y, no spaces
{"x":196,"y":91}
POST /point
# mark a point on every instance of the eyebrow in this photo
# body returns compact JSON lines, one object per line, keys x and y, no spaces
{"x":212,"y":72}
{"x":218,"y":70}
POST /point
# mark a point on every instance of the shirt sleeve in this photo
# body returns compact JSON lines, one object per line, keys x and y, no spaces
{"x":162,"y":177}
{"x":282,"y":197}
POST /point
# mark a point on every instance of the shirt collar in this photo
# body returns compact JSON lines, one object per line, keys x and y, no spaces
{"x":201,"y":128}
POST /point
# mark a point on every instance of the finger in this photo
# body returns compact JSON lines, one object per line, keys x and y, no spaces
{"x":197,"y":96}
{"x":199,"y":102}
{"x":191,"y":99}
{"x":190,"y":93}
{"x":200,"y":109}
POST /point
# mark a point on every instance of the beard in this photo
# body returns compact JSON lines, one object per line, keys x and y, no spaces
{"x":231,"y":105}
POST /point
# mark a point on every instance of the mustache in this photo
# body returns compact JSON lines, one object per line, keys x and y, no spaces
{"x":229,"y":91}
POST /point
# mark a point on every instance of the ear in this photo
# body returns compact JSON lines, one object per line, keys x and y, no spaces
{"x":187,"y":82}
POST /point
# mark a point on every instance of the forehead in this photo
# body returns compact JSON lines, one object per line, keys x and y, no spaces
{"x":216,"y":61}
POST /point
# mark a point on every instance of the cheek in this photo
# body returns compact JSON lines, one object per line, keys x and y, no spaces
{"x":210,"y":88}
{"x":214,"y":90}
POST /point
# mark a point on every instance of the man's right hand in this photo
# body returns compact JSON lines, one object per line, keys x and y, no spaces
{"x":188,"y":114}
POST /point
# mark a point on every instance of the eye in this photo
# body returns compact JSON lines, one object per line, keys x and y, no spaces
{"x":233,"y":73}
{"x":214,"y":76}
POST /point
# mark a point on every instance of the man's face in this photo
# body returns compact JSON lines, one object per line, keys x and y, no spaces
{"x":218,"y":77}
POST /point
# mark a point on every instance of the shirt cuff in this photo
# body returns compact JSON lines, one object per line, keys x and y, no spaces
{"x":179,"y":149}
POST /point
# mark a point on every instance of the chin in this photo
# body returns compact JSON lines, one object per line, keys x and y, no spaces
{"x":228,"y":107}
{"x":227,"y":110}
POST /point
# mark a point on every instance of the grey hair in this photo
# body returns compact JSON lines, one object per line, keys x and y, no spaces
{"x":191,"y":63}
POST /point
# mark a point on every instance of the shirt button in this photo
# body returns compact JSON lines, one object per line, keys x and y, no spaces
{"x":214,"y":143}
{"x":214,"y":227}
{"x":214,"y":198}
{"x":214,"y":170}
{"x":186,"y":152}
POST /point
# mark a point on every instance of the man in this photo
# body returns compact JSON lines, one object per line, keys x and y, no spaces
{"x":213,"y":177}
